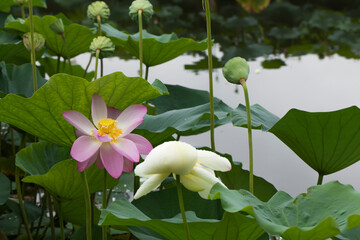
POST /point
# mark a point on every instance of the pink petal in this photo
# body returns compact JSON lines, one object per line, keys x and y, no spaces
{"x":98,"y":109}
{"x":81,"y":166}
{"x":84,"y":148}
{"x":113,"y":113}
{"x":127,"y":148}
{"x":79,"y":133}
{"x":112,"y":160}
{"x":128,"y":165}
{"x":105,"y":138}
{"x":79,"y":121}
{"x":142,"y":144}
{"x":99,"y":164}
{"x":129,"y":128}
{"x":130,"y":116}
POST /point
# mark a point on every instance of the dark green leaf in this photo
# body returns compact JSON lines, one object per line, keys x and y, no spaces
{"x":4,"y":188}
{"x":6,"y":4}
{"x":16,"y":53}
{"x":32,"y":212}
{"x":273,"y":64}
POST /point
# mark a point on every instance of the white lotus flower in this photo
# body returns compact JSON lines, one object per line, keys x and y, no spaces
{"x":195,"y":167}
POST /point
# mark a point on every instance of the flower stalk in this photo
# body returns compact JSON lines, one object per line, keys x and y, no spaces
{"x":140,"y":41}
{"x":104,"y":205}
{"x":98,"y":18}
{"x":248,"y":114}
{"x":210,"y":68}
{"x":50,"y":209}
{"x":87,"y":206}
{"x":32,"y":45}
{"x":96,"y":62}
{"x":182,"y":208}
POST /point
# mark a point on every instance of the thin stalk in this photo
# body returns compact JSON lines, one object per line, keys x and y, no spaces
{"x":104,"y":205}
{"x":43,"y":205}
{"x":248,"y":115}
{"x":182,"y":208}
{"x":58,"y":64}
{"x":108,"y":197}
{"x":98,"y":18}
{"x":61,"y":220}
{"x":32,"y":44}
{"x":87,"y":206}
{"x":101,"y":67}
{"x":140,"y":41}
{"x":146,"y":72}
{"x":22,"y":11}
{"x":67,"y":53}
{"x":320,"y":179}
{"x":210,"y":66}
{"x":51,"y":213}
{"x":87,"y":67}
{"x":21,"y":203}
{"x":96,"y":62}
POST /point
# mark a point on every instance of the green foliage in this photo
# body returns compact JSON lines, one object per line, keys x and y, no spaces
{"x":4,"y":188}
{"x":326,"y":141}
{"x":273,"y":64}
{"x":323,"y":212}
{"x":6,"y":4}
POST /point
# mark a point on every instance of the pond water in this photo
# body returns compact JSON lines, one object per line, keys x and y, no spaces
{"x":308,"y":84}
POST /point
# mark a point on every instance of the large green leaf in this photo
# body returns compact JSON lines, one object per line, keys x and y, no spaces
{"x":4,"y":188}
{"x":326,"y":141}
{"x":323,"y":212}
{"x":260,"y":117}
{"x":16,"y":53}
{"x":18,"y":79}
{"x":6,"y":4}
{"x":203,"y":217}
{"x":78,"y":37}
{"x":41,"y":115}
{"x":352,"y":234}
{"x":156,"y":49}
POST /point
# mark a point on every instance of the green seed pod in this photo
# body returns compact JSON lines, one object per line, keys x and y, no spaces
{"x":145,"y":6}
{"x":105,"y":46}
{"x":58,"y":26}
{"x":98,"y":8}
{"x":39,"y":41}
{"x":236,"y":69}
{"x":20,"y":2}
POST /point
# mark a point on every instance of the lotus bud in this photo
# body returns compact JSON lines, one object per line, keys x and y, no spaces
{"x":105,"y":46}
{"x":20,"y":2}
{"x":58,"y":27}
{"x":98,"y":8}
{"x":145,"y":6}
{"x":236,"y":70}
{"x":39,"y":41}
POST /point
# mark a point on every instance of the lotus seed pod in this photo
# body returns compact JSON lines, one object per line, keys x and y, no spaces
{"x":145,"y":6}
{"x":98,"y":8}
{"x":236,"y":69}
{"x":105,"y":46}
{"x":39,"y":41}
{"x":58,"y":27}
{"x":20,"y":2}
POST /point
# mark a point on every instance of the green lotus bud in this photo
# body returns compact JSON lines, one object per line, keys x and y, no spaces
{"x":145,"y":6}
{"x":236,"y":69}
{"x":58,"y":26}
{"x":98,"y":8}
{"x":105,"y":46}
{"x":20,"y":2}
{"x":39,"y":41}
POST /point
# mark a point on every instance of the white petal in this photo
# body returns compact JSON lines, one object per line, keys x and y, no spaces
{"x":150,"y":184}
{"x":98,"y":109}
{"x":213,"y":161}
{"x":169,"y":157}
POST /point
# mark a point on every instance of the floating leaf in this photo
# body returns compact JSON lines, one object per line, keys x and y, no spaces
{"x":4,"y":188}
{"x":249,"y":51}
{"x":323,"y":212}
{"x":285,"y":33}
{"x":18,"y":79}
{"x":203,"y":64}
{"x":78,"y":37}
{"x":273,"y":64}
{"x":327,"y":141}
{"x":41,"y":115}
{"x":260,"y":117}
{"x":156,"y":49}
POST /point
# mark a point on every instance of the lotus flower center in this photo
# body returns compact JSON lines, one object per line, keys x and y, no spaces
{"x":108,"y":126}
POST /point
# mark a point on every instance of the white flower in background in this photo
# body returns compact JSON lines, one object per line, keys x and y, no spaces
{"x":195,"y":167}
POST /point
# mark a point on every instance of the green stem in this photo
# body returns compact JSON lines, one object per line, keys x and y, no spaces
{"x":87,"y":206}
{"x":248,"y":114}
{"x":61,"y":220}
{"x":58,"y":64}
{"x":87,"y":67}
{"x":42,"y":201}
{"x":67,"y":53}
{"x":22,"y":11}
{"x":98,"y":18}
{"x":146,"y":72}
{"x":21,"y":203}
{"x":96,"y":62}
{"x":108,"y":197}
{"x":320,"y":179}
{"x":104,"y":205}
{"x":51,"y":213}
{"x":210,"y":66}
{"x":181,"y":205}
{"x":101,"y":67}
{"x":32,"y":44}
{"x":140,"y":42}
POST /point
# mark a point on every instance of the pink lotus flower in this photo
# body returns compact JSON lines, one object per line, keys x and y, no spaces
{"x":110,"y":142}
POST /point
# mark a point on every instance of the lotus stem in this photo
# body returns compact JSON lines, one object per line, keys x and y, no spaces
{"x":101,"y":67}
{"x":182,"y":208}
{"x":248,"y":114}
{"x":320,"y":179}
{"x":87,"y":66}
{"x":140,"y":41}
{"x":104,"y":205}
{"x":210,"y":68}
{"x":98,"y":18}
{"x":87,"y":206}
{"x":61,"y":220}
{"x":48,"y":197}
{"x":146,"y":72}
{"x":42,"y":202}
{"x":22,"y":11}
{"x":96,"y":62}
{"x":58,"y":64}
{"x":32,"y":45}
